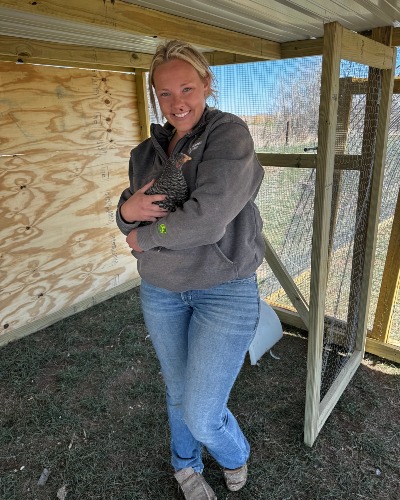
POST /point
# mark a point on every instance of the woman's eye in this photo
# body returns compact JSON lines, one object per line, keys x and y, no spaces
{"x":164,"y":94}
{"x":187,"y":89}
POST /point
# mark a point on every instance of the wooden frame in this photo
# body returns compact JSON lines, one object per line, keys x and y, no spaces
{"x":340,"y":44}
{"x":333,"y":36}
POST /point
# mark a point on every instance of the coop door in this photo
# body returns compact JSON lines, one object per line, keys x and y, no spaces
{"x":356,"y":87}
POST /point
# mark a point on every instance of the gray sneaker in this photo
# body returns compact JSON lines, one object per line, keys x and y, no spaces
{"x":235,"y":479}
{"x":193,"y":485}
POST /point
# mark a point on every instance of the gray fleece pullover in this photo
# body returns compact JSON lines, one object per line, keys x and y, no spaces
{"x":216,"y":236}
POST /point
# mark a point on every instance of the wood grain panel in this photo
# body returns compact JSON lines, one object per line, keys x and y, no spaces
{"x":78,"y":56}
{"x":81,"y":110}
{"x":64,"y":163}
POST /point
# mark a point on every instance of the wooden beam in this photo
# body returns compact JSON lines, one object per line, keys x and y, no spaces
{"x":333,"y":34}
{"x":313,"y":47}
{"x":344,"y":162}
{"x":142,"y":102}
{"x":359,"y":85}
{"x":396,"y":37}
{"x":129,"y":18}
{"x":383,"y":350}
{"x":363,"y":50}
{"x":286,"y":282}
{"x":291,"y":318}
{"x":14,"y":49}
{"x":302,"y":48}
{"x":218,"y":58}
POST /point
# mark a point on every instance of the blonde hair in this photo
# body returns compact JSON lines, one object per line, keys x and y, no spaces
{"x":176,"y":49}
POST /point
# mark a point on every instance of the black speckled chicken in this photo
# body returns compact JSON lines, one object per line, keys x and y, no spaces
{"x":172,"y":183}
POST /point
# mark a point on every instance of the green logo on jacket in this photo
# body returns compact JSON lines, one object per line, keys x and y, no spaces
{"x":162,"y":228}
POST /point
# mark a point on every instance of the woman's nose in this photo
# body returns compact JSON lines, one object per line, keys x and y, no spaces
{"x":177,"y":100}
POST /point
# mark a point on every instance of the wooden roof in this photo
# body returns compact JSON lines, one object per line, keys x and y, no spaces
{"x":124,"y":33}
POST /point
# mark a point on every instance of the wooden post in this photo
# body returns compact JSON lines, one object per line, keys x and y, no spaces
{"x":142,"y":102}
{"x":369,"y":200}
{"x":333,"y":34}
{"x":377,"y":182}
{"x":287,"y":132}
{"x":390,"y":281}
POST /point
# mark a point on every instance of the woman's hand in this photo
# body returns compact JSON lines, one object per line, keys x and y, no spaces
{"x":140,"y":207}
{"x":131,"y":239}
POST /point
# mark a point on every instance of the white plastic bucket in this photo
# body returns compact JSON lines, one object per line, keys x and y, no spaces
{"x":269,"y":331}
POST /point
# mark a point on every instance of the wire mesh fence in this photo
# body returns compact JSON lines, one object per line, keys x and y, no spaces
{"x":286,"y":121}
{"x":279,"y":101}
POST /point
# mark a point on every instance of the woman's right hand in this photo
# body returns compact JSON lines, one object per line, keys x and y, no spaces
{"x":141,"y":207}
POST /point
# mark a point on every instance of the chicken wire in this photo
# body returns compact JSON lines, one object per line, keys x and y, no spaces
{"x":279,"y":101}
{"x":286,"y":121}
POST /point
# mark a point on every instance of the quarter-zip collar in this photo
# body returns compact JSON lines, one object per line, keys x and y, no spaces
{"x":162,"y":134}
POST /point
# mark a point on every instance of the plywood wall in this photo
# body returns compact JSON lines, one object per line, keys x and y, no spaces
{"x":66,"y":135}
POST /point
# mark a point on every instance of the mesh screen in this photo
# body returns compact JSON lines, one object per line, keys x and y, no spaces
{"x":395,"y":326}
{"x":279,"y":100}
{"x":353,"y":191}
{"x":284,"y":119}
{"x":391,"y":186}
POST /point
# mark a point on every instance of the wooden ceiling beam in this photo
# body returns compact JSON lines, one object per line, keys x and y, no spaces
{"x":129,"y":18}
{"x":220,"y":58}
{"x":14,"y":49}
{"x":313,"y":47}
{"x":396,"y":37}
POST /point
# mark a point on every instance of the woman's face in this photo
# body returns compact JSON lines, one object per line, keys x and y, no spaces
{"x":181,"y":94}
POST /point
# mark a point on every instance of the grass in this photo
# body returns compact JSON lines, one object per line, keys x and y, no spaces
{"x":84,"y":398}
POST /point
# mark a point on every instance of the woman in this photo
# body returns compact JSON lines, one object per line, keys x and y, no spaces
{"x":199,"y":291}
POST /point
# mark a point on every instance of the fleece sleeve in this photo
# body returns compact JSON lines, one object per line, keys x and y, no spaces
{"x":228,"y":175}
{"x":124,"y":226}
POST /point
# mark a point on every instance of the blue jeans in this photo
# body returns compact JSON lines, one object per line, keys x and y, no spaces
{"x":201,"y":338}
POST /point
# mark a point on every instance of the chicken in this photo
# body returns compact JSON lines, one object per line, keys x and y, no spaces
{"x":172,"y":183}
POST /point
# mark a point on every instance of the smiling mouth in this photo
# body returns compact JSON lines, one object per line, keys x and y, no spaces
{"x":182,"y":115}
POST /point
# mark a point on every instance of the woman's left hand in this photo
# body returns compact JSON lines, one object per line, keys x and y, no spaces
{"x":131,"y":239}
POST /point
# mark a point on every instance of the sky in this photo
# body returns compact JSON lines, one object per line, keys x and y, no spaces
{"x":257,"y":88}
